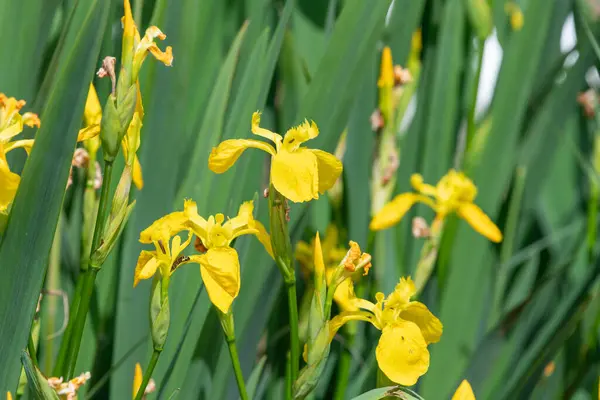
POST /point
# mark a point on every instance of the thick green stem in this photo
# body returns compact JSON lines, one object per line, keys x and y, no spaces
{"x":148,"y":374}
{"x":88,"y":277}
{"x":237,"y":369}
{"x":294,"y":338}
{"x":288,"y":377}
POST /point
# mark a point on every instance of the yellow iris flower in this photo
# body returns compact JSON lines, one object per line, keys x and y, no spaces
{"x":298,"y":173}
{"x":332,"y":254}
{"x":464,"y":392}
{"x":453,"y":193}
{"x":220,"y":264}
{"x":164,"y":234}
{"x":135,"y":49}
{"x":407,"y":327}
{"x":92,"y":118}
{"x":11,"y":124}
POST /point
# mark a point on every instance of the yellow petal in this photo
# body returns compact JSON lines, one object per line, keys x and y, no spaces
{"x":318,"y":260}
{"x":138,"y":180}
{"x":129,"y":35}
{"x":392,"y":212}
{"x":88,"y":132}
{"x":430,"y":325}
{"x":329,"y":169}
{"x":226,"y":153}
{"x":9,"y":396}
{"x":464,"y":392}
{"x":386,"y":75}
{"x":92,"y":115}
{"x":342,"y":296}
{"x":220,"y":270}
{"x":297,"y":135}
{"x":263,"y":237}
{"x":402,"y":353}
{"x":146,"y":267}
{"x":262,"y":132}
{"x":196,"y":223}
{"x":480,"y":221}
{"x":137,"y":379}
{"x":25,"y":144}
{"x":9,"y":183}
{"x":164,"y":228}
{"x":295,"y":175}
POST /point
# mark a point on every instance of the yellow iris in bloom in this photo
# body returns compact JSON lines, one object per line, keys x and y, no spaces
{"x":220,"y":264}
{"x":464,"y":392}
{"x":11,"y":124}
{"x":92,"y":119}
{"x":332,"y":255}
{"x":407,"y":327}
{"x":453,"y":193}
{"x":298,"y":173}
{"x":164,"y":235}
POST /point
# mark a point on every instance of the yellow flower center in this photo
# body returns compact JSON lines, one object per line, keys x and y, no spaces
{"x":218,"y":235}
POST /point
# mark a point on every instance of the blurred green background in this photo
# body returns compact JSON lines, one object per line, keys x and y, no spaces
{"x":521,"y":319}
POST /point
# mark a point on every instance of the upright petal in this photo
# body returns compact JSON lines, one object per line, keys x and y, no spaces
{"x":194,"y":220}
{"x":138,"y":179}
{"x":329,"y":169}
{"x":262,"y":132}
{"x":226,"y":153}
{"x":93,"y":110}
{"x":464,"y":392}
{"x":402,"y":353}
{"x":220,"y":270}
{"x":386,"y":75}
{"x":480,"y":221}
{"x":393,"y":211}
{"x":146,"y":266}
{"x":402,"y":293}
{"x":431,"y":327}
{"x":137,"y":379}
{"x":295,"y":175}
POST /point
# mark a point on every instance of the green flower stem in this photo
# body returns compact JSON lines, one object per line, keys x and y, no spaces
{"x":237,"y":369}
{"x":288,"y":377}
{"x":88,"y":277}
{"x":32,"y":352}
{"x":294,"y":338}
{"x":148,"y":374}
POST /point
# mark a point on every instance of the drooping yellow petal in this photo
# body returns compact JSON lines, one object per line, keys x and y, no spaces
{"x":402,"y":353}
{"x":9,"y":183}
{"x":342,"y":296}
{"x":165,"y":227}
{"x":480,"y":221}
{"x":31,"y":119}
{"x":392,"y":212}
{"x":430,"y":325}
{"x":262,"y":132}
{"x":26,"y":144}
{"x":88,"y":132}
{"x":464,"y":391}
{"x":226,"y":153}
{"x":137,"y":177}
{"x":416,"y":181}
{"x":146,"y":267}
{"x":220,"y":270}
{"x":137,"y":379}
{"x":263,"y":237}
{"x":295,"y":175}
{"x":147,"y":45}
{"x":329,"y":169}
